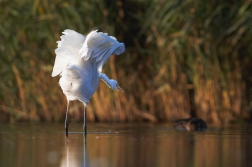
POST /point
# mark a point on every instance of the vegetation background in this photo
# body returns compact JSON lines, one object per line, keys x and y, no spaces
{"x":183,"y":58}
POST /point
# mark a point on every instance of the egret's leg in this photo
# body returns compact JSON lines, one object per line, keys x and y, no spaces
{"x":66,"y":121}
{"x":84,"y":126}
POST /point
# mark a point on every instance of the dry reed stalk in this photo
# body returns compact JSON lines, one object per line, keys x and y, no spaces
{"x":21,"y":90}
{"x":17,"y":113}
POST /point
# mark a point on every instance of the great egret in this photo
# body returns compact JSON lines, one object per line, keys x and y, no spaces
{"x":79,"y":61}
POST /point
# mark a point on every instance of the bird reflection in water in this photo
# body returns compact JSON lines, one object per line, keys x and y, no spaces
{"x":72,"y":158}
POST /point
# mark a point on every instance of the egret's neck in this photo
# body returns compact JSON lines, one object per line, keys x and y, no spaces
{"x":105,"y":79}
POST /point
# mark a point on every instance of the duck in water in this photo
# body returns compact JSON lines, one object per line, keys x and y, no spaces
{"x":191,"y":124}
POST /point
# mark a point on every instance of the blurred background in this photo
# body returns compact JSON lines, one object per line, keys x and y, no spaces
{"x":183,"y":58}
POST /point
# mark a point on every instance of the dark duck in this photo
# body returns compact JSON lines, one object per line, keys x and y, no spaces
{"x":191,"y":124}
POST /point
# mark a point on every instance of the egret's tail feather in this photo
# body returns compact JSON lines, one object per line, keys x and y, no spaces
{"x":68,"y":49}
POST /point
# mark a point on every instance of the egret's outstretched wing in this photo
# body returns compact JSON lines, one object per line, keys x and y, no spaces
{"x":68,"y":49}
{"x":100,"y":47}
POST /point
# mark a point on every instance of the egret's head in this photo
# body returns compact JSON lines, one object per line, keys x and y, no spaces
{"x":114,"y":85}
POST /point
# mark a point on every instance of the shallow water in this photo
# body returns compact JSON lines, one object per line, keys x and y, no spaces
{"x":124,"y":145}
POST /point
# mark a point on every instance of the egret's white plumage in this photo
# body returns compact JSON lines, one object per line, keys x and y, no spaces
{"x":80,"y":59}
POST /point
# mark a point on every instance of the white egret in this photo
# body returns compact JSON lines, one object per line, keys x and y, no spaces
{"x":79,"y":61}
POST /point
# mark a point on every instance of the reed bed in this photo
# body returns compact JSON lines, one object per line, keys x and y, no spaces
{"x":183,"y":58}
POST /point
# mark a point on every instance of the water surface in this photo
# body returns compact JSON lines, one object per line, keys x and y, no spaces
{"x":124,"y":145}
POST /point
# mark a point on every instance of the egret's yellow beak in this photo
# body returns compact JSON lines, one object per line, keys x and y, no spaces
{"x":119,"y":89}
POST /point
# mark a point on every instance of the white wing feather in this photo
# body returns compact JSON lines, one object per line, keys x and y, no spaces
{"x":100,"y":46}
{"x":68,"y":49}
